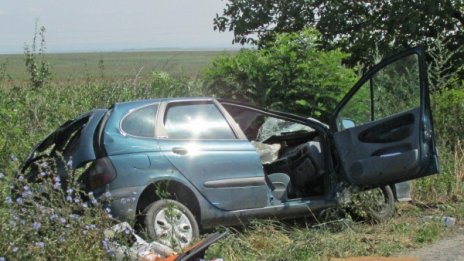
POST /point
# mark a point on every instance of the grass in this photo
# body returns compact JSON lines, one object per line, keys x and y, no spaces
{"x":270,"y":240}
{"x":116,"y":65}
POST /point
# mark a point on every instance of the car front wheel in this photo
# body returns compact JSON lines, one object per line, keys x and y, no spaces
{"x":381,"y":206}
{"x":377,"y":205}
{"x":171,"y":223}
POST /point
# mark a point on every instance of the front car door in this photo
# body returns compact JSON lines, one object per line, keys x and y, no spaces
{"x":202,"y":142}
{"x":382,"y":129}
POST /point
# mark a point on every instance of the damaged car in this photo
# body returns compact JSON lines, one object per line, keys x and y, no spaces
{"x":177,"y":166}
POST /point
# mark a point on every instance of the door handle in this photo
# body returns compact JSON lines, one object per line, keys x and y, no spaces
{"x":179,"y":150}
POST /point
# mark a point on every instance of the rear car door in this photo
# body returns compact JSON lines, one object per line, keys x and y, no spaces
{"x":382,"y":128}
{"x":201,"y":141}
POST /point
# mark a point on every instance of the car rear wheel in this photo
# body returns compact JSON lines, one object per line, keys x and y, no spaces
{"x":171,"y":223}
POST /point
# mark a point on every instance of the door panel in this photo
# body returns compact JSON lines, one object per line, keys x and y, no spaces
{"x":227,"y":173}
{"x":383,"y":128}
{"x":380,"y":152}
{"x":202,"y":145}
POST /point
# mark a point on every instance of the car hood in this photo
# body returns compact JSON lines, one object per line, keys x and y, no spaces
{"x":84,"y":127}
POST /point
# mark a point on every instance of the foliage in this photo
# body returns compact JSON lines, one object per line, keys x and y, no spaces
{"x":36,"y":64}
{"x":444,"y":70}
{"x":166,"y":85}
{"x":394,"y":89}
{"x":354,"y":26}
{"x":4,"y":75}
{"x":448,"y":112}
{"x":41,"y":221}
{"x":265,"y":18}
{"x":314,"y":240}
{"x":290,"y":75}
{"x":459,"y":169}
{"x":448,"y":117}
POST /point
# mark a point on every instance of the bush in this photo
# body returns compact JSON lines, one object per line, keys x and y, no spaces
{"x":165,"y":85}
{"x":448,"y":117}
{"x":448,"y":112}
{"x":291,"y":74}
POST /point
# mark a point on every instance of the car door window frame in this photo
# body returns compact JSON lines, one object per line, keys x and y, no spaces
{"x":423,"y":92}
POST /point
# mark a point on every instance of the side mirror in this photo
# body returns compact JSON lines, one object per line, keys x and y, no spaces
{"x":347,"y":123}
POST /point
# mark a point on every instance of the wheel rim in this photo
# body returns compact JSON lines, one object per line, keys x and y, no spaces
{"x":173,"y":228}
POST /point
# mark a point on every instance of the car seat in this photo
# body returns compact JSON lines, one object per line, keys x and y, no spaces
{"x":280,"y":185}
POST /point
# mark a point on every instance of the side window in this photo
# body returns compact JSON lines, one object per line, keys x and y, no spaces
{"x":393,"y":89}
{"x":259,"y":127}
{"x":196,"y":121}
{"x":141,"y":122}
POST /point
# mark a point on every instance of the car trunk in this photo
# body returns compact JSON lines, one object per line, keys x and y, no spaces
{"x":72,"y":142}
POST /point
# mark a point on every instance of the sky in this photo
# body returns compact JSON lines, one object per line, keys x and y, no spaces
{"x":112,"y":25}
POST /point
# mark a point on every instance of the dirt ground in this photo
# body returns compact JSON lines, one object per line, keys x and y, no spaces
{"x":448,"y":249}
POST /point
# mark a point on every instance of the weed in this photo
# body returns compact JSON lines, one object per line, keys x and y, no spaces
{"x":272,"y":240}
{"x":429,"y":232}
{"x":44,"y":221}
{"x":4,"y":75}
{"x":101,"y":67}
{"x":36,"y":64}
{"x":459,"y":168}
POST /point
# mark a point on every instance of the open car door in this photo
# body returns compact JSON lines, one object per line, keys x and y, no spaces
{"x":382,"y":128}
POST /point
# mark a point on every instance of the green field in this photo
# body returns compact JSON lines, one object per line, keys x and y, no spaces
{"x":114,"y":65}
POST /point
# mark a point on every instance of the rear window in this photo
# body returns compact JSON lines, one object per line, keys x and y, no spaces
{"x":141,"y":122}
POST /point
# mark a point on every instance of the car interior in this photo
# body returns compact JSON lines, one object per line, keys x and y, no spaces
{"x":290,"y":153}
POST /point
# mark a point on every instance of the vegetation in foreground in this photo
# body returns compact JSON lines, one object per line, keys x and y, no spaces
{"x":58,"y":228}
{"x":271,"y":240}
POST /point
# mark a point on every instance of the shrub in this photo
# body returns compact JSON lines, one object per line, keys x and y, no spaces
{"x":291,"y":74}
{"x":448,"y":112}
{"x":165,"y":85}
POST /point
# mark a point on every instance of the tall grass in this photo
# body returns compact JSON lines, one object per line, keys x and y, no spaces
{"x":459,"y":169}
{"x":271,"y":240}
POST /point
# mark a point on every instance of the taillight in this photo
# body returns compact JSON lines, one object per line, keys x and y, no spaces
{"x":101,"y":173}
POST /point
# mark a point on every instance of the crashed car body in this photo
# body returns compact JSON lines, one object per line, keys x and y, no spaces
{"x":220,"y":162}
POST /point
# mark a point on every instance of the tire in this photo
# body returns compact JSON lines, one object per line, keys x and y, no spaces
{"x":385,"y":209}
{"x":376,"y":205}
{"x":171,"y":223}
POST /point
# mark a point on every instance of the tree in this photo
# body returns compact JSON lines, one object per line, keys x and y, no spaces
{"x":357,"y":27}
{"x":291,"y":74}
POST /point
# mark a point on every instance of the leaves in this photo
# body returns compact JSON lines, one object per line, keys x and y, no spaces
{"x":356,"y":27}
{"x":290,"y":74}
